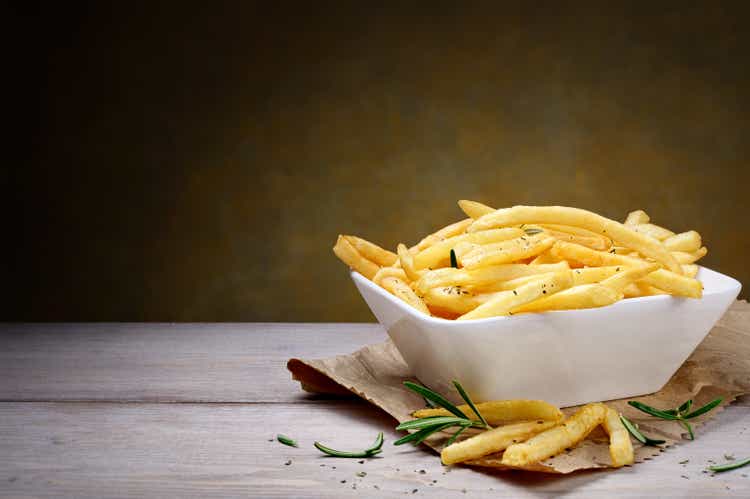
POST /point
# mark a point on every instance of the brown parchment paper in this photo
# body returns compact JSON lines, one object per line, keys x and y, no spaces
{"x":719,"y":367}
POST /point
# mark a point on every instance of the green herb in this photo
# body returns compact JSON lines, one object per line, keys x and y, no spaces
{"x":429,"y":425}
{"x":532,"y":231}
{"x":286,"y":440}
{"x":730,"y":466}
{"x":469,"y":402}
{"x":681,"y":414}
{"x":454,"y":262}
{"x":375,"y":448}
{"x":637,"y":434}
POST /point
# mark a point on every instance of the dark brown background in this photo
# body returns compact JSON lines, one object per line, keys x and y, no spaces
{"x":196,"y":164}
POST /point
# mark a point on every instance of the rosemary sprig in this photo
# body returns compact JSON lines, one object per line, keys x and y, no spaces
{"x":730,"y":466}
{"x":286,"y":440}
{"x":532,"y":230}
{"x":637,"y":433}
{"x":428,"y":426}
{"x":375,"y":448}
{"x":680,"y":414}
{"x":454,"y":262}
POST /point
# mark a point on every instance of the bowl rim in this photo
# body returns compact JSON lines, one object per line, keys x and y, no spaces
{"x":729,"y":284}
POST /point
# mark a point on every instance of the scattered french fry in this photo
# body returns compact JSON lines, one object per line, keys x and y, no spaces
{"x":500,"y":412}
{"x":555,"y":440}
{"x":620,"y":446}
{"x":493,"y":440}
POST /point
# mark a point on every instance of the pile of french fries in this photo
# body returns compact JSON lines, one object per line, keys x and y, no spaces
{"x":530,"y":431}
{"x":531,"y":259}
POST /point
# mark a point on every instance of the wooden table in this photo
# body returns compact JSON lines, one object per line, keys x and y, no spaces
{"x":192,"y":410}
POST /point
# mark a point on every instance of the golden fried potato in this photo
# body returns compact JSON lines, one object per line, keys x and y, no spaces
{"x":555,"y":440}
{"x":350,"y":256}
{"x":500,"y":412}
{"x":620,"y":446}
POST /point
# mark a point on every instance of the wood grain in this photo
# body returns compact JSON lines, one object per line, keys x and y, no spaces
{"x":166,"y":362}
{"x":196,"y":450}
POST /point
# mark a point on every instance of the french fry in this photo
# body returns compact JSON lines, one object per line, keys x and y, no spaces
{"x":591,"y":275}
{"x":578,"y":231}
{"x":500,"y":412}
{"x":483,"y":277}
{"x":637,"y":289}
{"x":594,"y":242}
{"x":407,"y":263}
{"x":372,"y":252}
{"x":620,"y":446}
{"x":637,"y":217}
{"x":507,"y":251}
{"x":654,"y":231}
{"x":544,"y":257}
{"x":474,"y":209}
{"x":401,"y":290}
{"x":505,"y":302}
{"x":690,"y":270}
{"x":674,"y":284}
{"x":492,"y":441}
{"x":439,"y":253}
{"x":687,"y":258}
{"x":621,"y":280}
{"x":389,"y":272}
{"x":685,"y":241}
{"x":583,"y":296}
{"x":489,"y":290}
{"x":452,"y":299}
{"x":619,"y":233}
{"x":451,"y":230}
{"x":557,"y":439}
{"x":592,"y":258}
{"x":350,"y":256}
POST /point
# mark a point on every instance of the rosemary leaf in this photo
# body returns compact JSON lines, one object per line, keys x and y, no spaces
{"x":689,"y":428}
{"x":419,"y":436}
{"x":455,"y":436}
{"x":685,"y":408}
{"x":468,"y":400}
{"x":286,"y":440}
{"x":704,"y":409}
{"x":434,"y":397}
{"x":416,"y":424}
{"x":652,"y":411}
{"x":531,"y":231}
{"x":454,"y":262}
{"x":730,"y":466}
{"x":376,"y":448}
{"x":637,"y":434}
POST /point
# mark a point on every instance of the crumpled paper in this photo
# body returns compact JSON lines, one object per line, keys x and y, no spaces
{"x":719,"y":367}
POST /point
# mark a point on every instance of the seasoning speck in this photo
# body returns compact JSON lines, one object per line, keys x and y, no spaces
{"x":288,"y":463}
{"x":684,"y":462}
{"x":414,"y":491}
{"x":422,"y":472}
{"x":361,"y":474}
{"x":343,"y":481}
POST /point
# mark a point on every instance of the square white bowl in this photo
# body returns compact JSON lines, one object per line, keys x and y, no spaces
{"x":565,"y":357}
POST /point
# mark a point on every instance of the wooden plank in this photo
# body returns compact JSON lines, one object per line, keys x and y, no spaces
{"x":166,"y":362}
{"x":199,"y":450}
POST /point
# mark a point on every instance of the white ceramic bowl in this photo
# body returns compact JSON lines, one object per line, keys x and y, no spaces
{"x":566,"y":357}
